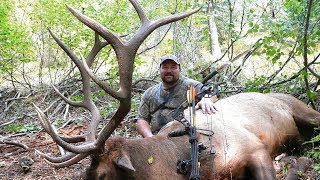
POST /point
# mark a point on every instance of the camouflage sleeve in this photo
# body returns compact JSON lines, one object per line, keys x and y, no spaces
{"x":144,"y":108}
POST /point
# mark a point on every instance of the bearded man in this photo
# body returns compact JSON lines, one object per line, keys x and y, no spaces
{"x":159,"y":101}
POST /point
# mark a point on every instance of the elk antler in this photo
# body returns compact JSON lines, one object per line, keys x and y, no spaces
{"x":125,"y":52}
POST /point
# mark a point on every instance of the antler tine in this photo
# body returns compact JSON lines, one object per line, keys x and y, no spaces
{"x":69,"y":159}
{"x":88,"y":101}
{"x":73,"y":57}
{"x":112,"y":38}
{"x":104,"y":86}
{"x":107,"y":130}
{"x":74,"y":139}
{"x":144,"y":19}
{"x":81,"y":151}
{"x":97,"y":46}
{"x":174,"y":18}
{"x":147,"y":27}
{"x":60,"y":159}
{"x":56,"y":138}
{"x":72,"y":103}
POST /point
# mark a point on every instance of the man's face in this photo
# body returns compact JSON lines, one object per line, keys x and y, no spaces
{"x":170,"y":72}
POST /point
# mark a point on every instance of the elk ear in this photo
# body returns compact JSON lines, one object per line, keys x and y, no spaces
{"x":124,"y":163}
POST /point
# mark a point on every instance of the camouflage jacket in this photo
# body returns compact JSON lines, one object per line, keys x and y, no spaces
{"x":170,"y":100}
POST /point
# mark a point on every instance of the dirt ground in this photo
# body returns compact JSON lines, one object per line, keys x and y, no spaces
{"x":13,"y":158}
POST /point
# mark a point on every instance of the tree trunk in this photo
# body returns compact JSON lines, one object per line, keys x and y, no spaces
{"x":214,"y":38}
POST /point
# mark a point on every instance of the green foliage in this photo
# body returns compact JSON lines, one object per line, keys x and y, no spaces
{"x":77,"y":98}
{"x":288,"y":28}
{"x":193,"y":71}
{"x":314,"y":153}
{"x":15,"y":42}
{"x":102,"y":93}
{"x":22,"y":38}
{"x":135,"y":102}
{"x":255,"y":85}
{"x":312,"y":94}
{"x":19,"y":128}
{"x":108,"y":110}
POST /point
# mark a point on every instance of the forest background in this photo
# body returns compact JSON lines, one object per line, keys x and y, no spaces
{"x":234,"y":45}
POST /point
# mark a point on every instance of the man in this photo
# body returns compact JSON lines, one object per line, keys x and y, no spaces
{"x":159,"y":101}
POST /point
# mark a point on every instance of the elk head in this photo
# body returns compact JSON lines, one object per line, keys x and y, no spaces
{"x":125,"y":50}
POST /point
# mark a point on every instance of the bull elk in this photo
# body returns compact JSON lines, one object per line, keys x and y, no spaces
{"x":249,"y":129}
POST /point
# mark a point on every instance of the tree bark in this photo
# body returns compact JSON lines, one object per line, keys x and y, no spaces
{"x":215,"y":48}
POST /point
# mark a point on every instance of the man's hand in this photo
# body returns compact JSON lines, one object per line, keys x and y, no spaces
{"x":206,"y":105}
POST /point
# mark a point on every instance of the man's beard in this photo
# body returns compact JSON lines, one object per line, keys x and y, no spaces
{"x":169,"y":79}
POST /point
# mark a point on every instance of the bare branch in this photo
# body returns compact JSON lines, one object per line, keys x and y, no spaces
{"x":291,"y":55}
{"x":16,"y":98}
{"x":12,"y":121}
{"x":12,"y":103}
{"x":65,"y":115}
{"x":296,"y":74}
{"x":305,"y":48}
{"x":317,"y":75}
{"x":213,"y":73}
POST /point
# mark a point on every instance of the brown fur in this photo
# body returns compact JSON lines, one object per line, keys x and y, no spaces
{"x":250,"y":129}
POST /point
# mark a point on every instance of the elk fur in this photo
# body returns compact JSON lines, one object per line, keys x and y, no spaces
{"x":250,"y":129}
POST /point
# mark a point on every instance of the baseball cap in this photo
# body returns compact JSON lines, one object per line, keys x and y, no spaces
{"x":169,"y":57}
